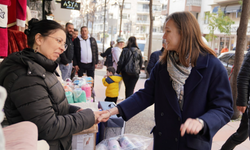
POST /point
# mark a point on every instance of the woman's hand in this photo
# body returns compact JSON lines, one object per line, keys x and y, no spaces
{"x":98,"y":114}
{"x":191,"y":126}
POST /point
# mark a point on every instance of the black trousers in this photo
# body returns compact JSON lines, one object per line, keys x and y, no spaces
{"x":239,"y":136}
{"x":86,"y":68}
{"x":129,"y":82}
{"x":111,"y":99}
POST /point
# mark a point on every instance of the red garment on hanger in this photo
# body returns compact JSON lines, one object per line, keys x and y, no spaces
{"x":12,"y":12}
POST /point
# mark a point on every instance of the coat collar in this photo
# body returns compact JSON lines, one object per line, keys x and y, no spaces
{"x":37,"y":63}
{"x":193,"y":80}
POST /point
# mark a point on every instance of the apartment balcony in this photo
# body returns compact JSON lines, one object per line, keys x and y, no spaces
{"x":193,"y":6}
{"x":142,"y":22}
{"x":143,"y":1}
{"x":226,"y":2}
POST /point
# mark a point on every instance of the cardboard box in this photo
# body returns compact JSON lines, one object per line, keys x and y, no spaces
{"x":86,"y":139}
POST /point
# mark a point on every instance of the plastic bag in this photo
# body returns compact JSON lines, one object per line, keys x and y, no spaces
{"x":79,"y":95}
{"x":125,"y":142}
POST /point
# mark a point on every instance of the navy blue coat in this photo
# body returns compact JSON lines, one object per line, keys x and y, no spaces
{"x":154,"y":57}
{"x":207,"y":95}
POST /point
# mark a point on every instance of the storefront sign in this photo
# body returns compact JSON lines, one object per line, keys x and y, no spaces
{"x":70,"y":5}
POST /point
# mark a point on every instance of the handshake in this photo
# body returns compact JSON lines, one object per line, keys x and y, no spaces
{"x":103,"y":116}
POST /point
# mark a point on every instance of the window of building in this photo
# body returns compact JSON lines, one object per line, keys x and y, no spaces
{"x":143,"y":7}
{"x":142,"y":18}
{"x":164,"y":7}
{"x":127,"y":6}
{"x":156,"y":8}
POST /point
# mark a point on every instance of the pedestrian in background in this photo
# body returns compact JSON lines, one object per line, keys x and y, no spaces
{"x":75,"y":34}
{"x":154,"y":57}
{"x":225,"y":49}
{"x":109,"y":61}
{"x":66,"y":58}
{"x":243,"y":81}
{"x":86,"y":53}
{"x":129,"y":65}
{"x":111,"y":81}
{"x":117,"y":50}
{"x":35,"y":94}
{"x":189,"y":88}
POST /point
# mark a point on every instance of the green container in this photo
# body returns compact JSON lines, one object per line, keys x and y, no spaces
{"x":69,"y":97}
{"x":79,"y":95}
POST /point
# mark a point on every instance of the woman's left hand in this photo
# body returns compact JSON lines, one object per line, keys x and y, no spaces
{"x":191,"y":126}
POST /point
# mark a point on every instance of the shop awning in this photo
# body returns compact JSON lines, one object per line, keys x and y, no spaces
{"x":231,"y":9}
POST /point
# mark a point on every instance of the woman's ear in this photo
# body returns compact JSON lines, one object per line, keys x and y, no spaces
{"x":38,"y":39}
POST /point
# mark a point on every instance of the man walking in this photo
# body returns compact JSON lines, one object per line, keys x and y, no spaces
{"x":66,"y":57}
{"x":242,"y":102}
{"x":85,"y":53}
{"x":154,"y":57}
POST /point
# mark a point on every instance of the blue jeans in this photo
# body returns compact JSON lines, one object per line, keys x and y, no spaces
{"x":66,"y":70}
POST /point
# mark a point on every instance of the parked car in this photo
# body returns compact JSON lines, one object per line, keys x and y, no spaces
{"x":227,"y":59}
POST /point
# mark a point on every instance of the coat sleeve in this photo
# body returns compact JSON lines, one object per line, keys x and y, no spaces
{"x":139,"y":100}
{"x":106,"y":52}
{"x":37,"y":107}
{"x":243,"y":80}
{"x":220,"y":103}
{"x":104,"y":82}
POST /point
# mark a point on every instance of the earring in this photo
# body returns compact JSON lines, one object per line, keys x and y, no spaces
{"x":36,"y":50}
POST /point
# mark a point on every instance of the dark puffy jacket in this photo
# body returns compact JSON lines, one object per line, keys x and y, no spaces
{"x":77,"y":51}
{"x":108,"y":62}
{"x":126,"y":55}
{"x":35,"y":94}
{"x":243,"y":82}
{"x":67,"y":56}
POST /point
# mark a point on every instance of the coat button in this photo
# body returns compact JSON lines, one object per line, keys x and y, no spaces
{"x":29,"y":72}
{"x":43,"y":75}
{"x":162,"y":114}
{"x":176,"y":140}
{"x":160,"y":133}
{"x":179,"y":119}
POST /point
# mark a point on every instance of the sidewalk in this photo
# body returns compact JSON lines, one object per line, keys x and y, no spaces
{"x":146,"y":117}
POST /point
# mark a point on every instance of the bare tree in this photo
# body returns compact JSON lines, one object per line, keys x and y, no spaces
{"x":121,"y":9}
{"x":239,"y":52}
{"x":150,"y":29}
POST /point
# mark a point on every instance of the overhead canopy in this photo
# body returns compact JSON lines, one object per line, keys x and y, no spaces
{"x":231,"y":9}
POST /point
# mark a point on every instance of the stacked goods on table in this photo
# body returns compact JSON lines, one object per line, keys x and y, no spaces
{"x":125,"y":142}
{"x":78,"y":89}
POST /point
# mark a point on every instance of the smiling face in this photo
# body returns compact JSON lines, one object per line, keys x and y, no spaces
{"x":51,"y":46}
{"x":172,"y":36}
{"x":84,"y":33}
{"x":70,"y":29}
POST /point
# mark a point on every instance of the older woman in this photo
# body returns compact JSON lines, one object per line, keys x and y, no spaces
{"x":189,"y":87}
{"x":35,"y":94}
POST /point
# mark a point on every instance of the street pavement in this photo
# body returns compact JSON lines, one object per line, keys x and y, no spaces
{"x":142,"y":123}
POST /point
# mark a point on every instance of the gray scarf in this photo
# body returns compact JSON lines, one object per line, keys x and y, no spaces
{"x":178,"y":74}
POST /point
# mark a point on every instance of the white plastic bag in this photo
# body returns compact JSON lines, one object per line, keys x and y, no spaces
{"x":125,"y":142}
